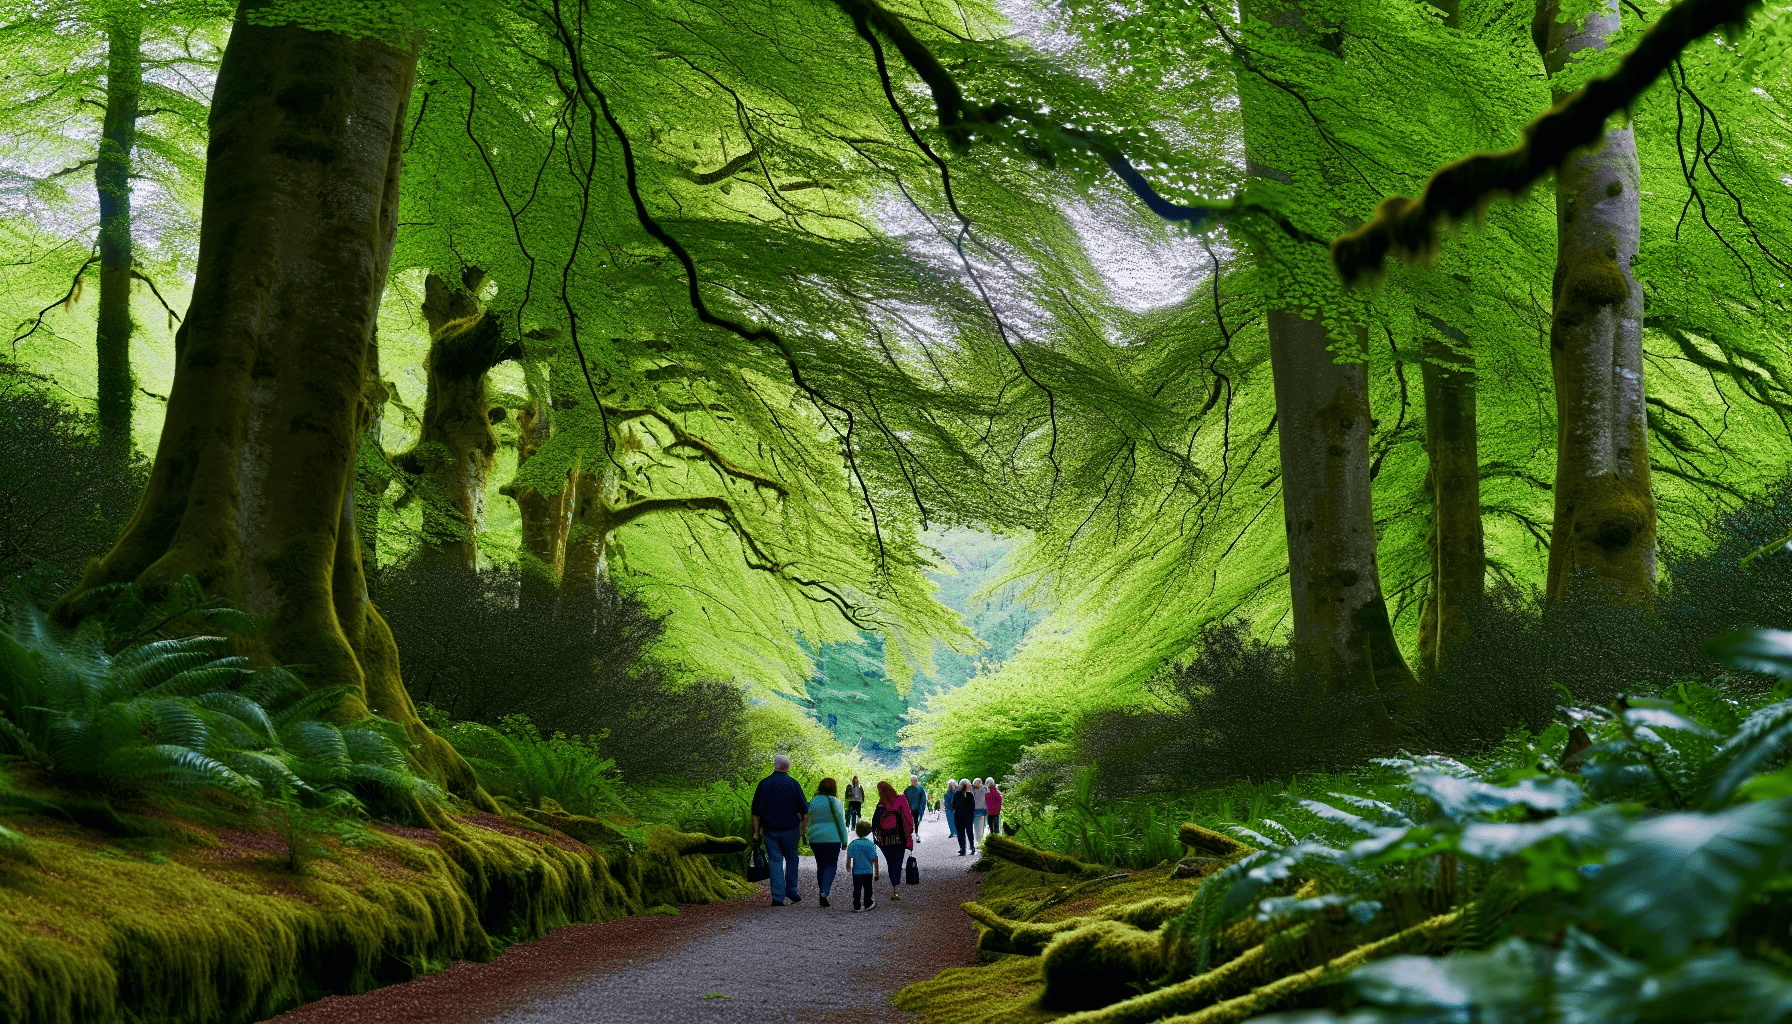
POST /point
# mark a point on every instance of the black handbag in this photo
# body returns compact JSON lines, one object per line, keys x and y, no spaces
{"x":914,"y":872}
{"x":758,"y":869}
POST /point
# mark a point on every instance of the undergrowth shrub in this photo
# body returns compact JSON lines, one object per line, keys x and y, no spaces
{"x":471,"y":647}
{"x":62,"y":499}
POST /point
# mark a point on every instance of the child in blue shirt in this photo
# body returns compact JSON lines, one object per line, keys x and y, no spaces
{"x":862,"y":852}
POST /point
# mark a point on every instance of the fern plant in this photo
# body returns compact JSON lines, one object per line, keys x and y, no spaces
{"x":185,"y":713}
{"x":1653,"y":884}
{"x":516,"y":761}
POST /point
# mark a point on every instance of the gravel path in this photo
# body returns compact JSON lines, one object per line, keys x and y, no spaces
{"x":800,"y":964}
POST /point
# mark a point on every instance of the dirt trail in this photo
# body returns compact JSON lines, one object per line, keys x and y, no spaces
{"x":800,"y":963}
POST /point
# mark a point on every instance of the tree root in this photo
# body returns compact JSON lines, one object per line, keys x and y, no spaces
{"x":1038,"y":860}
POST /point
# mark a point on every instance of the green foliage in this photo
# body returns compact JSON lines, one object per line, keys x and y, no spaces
{"x":516,"y":761}
{"x":183,"y":713}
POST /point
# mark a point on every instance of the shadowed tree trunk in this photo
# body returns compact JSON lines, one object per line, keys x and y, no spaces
{"x":1603,"y":538}
{"x":112,"y":177}
{"x":1341,"y":634}
{"x":252,"y":489}
{"x":1458,"y":551}
{"x":455,"y":448}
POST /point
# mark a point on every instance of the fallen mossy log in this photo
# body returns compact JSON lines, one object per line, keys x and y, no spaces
{"x":1194,"y":998}
{"x":1029,"y":938}
{"x":689,"y":844}
{"x":1038,"y":860}
{"x":1097,"y":963}
{"x":1207,"y":842}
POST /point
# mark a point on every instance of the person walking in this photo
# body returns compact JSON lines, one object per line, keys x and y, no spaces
{"x":917,"y":802}
{"x":894,"y":829}
{"x":862,"y":855}
{"x":780,"y":813}
{"x":994,"y":801}
{"x":827,"y":835}
{"x":946,"y":808}
{"x":980,"y":809}
{"x":964,"y":810}
{"x":855,"y":798}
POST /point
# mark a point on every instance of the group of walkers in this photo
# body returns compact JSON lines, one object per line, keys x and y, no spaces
{"x":782,"y":815}
{"x":971,"y":806}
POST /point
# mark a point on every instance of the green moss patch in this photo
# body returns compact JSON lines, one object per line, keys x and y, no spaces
{"x":212,"y":926}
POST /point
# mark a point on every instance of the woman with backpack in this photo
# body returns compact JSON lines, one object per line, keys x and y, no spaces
{"x":827,"y":835}
{"x":946,"y":807}
{"x":893,"y":828}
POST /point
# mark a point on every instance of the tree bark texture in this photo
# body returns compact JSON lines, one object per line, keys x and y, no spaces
{"x":1603,"y":537}
{"x":1342,"y":635}
{"x":545,"y":517}
{"x":251,"y":493}
{"x":1458,"y":551}
{"x":455,"y":448}
{"x":112,"y":178}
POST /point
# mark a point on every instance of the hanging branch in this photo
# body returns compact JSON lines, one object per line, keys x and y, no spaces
{"x":67,"y":300}
{"x":959,"y":120}
{"x":1408,"y":228}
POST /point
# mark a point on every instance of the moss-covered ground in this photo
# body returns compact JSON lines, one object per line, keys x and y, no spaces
{"x":208,"y":920}
{"x":1086,"y":946}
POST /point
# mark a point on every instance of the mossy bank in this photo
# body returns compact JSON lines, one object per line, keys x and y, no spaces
{"x":212,"y":924}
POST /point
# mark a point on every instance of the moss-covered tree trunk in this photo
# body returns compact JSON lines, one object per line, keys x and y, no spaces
{"x":455,"y":448}
{"x":252,"y":489}
{"x":112,"y":177}
{"x":1603,"y":538}
{"x":545,"y":517}
{"x":591,"y":521}
{"x":1342,"y":635}
{"x":1458,"y":550}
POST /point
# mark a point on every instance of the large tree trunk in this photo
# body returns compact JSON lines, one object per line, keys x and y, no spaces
{"x":112,"y":177}
{"x":590,"y":523}
{"x":1603,"y":538}
{"x":251,"y":492}
{"x":1342,"y":636}
{"x":454,"y":451}
{"x":1458,"y":552}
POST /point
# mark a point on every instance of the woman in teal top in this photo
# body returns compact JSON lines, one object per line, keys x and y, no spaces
{"x":827,"y":834}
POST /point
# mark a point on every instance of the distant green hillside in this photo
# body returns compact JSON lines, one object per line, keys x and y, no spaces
{"x":850,"y":692}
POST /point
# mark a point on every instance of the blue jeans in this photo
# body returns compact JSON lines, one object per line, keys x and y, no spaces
{"x":827,"y":862}
{"x":781,"y":857}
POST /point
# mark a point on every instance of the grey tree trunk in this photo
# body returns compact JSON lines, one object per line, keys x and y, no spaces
{"x":1603,"y":538}
{"x":112,"y":177}
{"x":1458,"y":550}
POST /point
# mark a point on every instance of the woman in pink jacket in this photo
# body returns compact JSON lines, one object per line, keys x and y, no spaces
{"x":993,"y":799}
{"x":893,"y":829}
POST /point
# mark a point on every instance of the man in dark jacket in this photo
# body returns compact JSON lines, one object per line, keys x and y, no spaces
{"x":781,"y":815}
{"x":917,"y":802}
{"x":964,"y":811}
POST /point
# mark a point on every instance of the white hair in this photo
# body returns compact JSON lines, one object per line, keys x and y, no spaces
{"x":914,"y":778}
{"x":964,"y":782}
{"x":781,"y":762}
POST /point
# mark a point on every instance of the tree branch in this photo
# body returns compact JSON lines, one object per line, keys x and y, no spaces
{"x":1408,"y":228}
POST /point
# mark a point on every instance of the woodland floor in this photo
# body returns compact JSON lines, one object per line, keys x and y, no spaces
{"x":799,"y":963}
